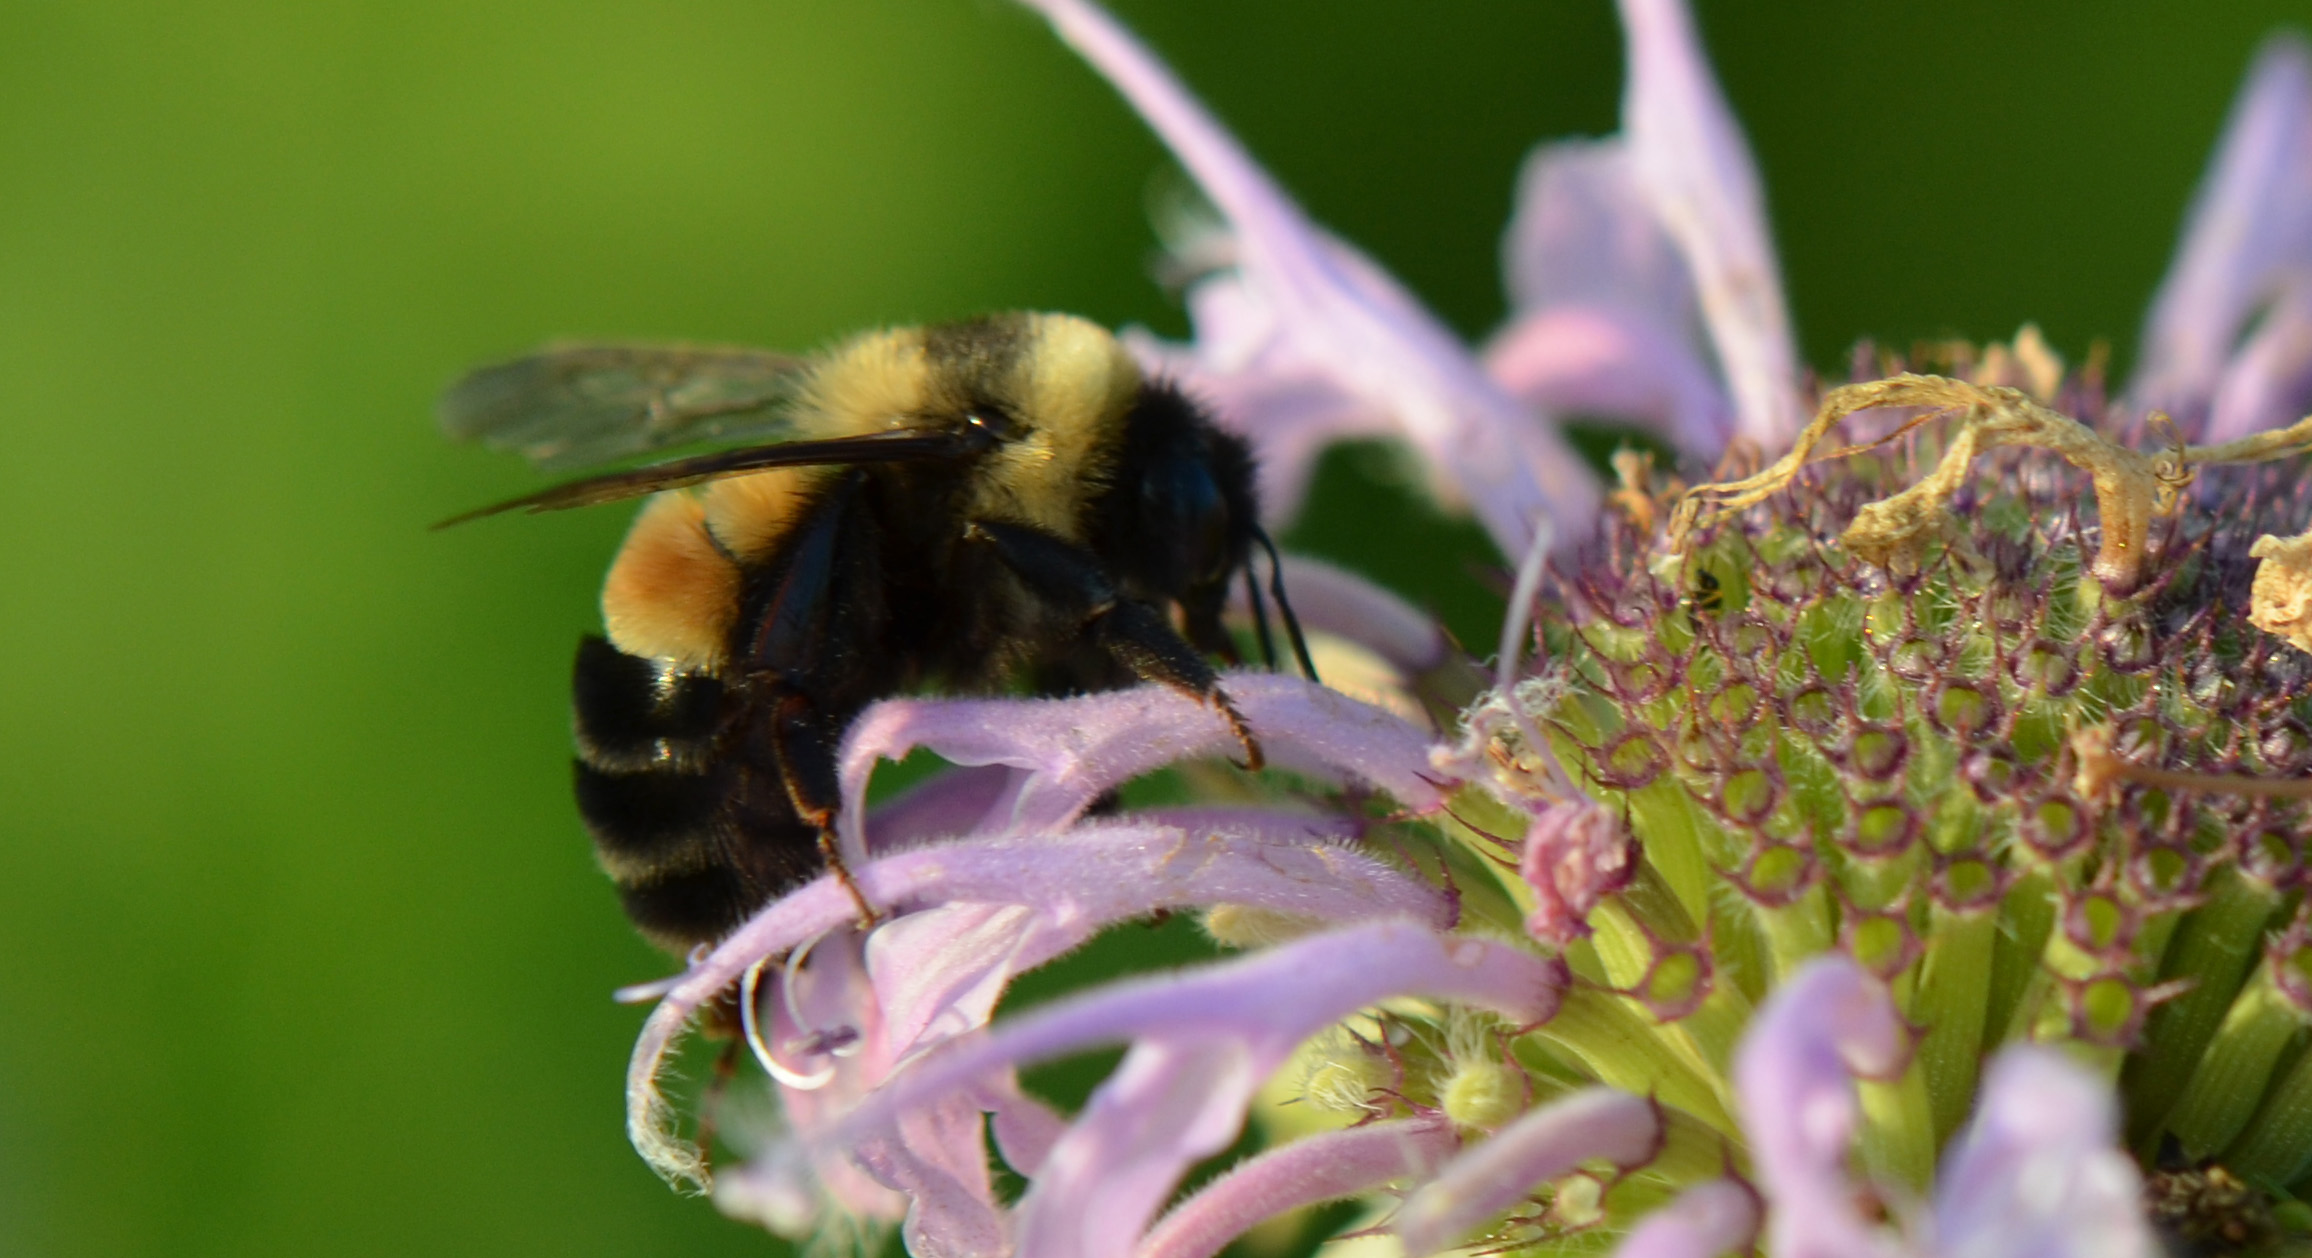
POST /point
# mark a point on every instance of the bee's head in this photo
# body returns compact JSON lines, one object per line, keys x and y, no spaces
{"x":1092,"y":450}
{"x":1181,"y":516}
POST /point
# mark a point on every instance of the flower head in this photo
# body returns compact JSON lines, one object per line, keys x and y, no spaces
{"x":1892,"y":848}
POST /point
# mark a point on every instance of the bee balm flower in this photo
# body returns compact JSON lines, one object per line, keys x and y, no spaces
{"x":1896,"y":848}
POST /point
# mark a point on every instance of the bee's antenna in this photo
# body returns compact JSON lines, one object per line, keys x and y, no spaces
{"x":1260,"y":617}
{"x":1292,"y":629}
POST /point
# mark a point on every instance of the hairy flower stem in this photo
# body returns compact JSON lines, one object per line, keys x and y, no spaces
{"x":2277,"y":1146}
{"x":2224,"y":1091}
{"x":2216,"y":948}
{"x":2027,"y":917}
{"x":1899,"y":1129}
{"x":1798,"y":931}
{"x":1952,"y":1001}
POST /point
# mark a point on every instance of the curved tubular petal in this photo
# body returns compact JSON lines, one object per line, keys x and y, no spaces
{"x":2038,"y":1173}
{"x":2249,"y":222}
{"x":939,"y":972}
{"x":1328,"y":1166}
{"x":2269,"y":382}
{"x":1346,"y":314}
{"x":1203,"y":1042}
{"x":1170,"y":1104}
{"x":1074,"y":884}
{"x":1278,"y":997}
{"x":1690,"y":157}
{"x":1596,"y":1123}
{"x":1272,"y":999}
{"x":938,"y":1159}
{"x":1604,"y":318}
{"x":1795,"y":1075}
{"x":947,"y":804}
{"x":1580,"y":360}
{"x":1705,"y":1221}
{"x":1584,"y":235}
{"x":1075,"y":750}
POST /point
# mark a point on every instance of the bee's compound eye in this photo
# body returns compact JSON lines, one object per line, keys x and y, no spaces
{"x":993,"y":421}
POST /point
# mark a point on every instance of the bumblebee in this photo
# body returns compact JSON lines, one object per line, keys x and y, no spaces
{"x":956,"y":507}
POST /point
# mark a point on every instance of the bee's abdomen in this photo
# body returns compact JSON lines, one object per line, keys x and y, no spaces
{"x":635,"y":715}
{"x":695,"y":835}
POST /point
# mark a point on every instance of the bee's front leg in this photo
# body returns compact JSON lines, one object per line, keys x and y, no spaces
{"x":1132,"y":633}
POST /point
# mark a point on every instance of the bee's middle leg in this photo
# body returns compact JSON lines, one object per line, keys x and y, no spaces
{"x":804,"y":743}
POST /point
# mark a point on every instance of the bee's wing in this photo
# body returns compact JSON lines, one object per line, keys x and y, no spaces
{"x":574,"y":406}
{"x":892,"y":445}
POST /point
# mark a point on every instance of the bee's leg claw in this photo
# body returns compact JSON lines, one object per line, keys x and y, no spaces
{"x":1135,"y":634}
{"x":1254,"y":759}
{"x":868,"y":916}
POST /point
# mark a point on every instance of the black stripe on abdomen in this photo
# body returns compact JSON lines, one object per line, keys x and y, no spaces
{"x":694,"y":833}
{"x":634,"y":714}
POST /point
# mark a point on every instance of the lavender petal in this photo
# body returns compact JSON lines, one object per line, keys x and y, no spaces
{"x":1328,"y":1166}
{"x":938,"y":974}
{"x":1583,"y":234}
{"x":1705,"y":1221}
{"x":1075,"y":884}
{"x":1025,"y":1128}
{"x":1795,"y":1075}
{"x":1202,"y":1043}
{"x":937,"y":1158}
{"x":2038,"y":1173}
{"x":1690,"y":157}
{"x":1274,"y":998}
{"x":1170,"y":1103}
{"x":774,"y":1190}
{"x":1075,"y":750}
{"x":1488,"y":1179}
{"x":2268,"y":383}
{"x":1593,"y":361}
{"x":1345,"y":315}
{"x":1604,"y":318}
{"x":2249,"y":223}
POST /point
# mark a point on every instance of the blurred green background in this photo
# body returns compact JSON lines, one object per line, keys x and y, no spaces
{"x":304,"y":951}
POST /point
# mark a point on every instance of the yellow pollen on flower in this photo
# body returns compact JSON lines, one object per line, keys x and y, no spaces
{"x":1341,"y":1074}
{"x":1482,"y":1094}
{"x":2030,"y":364}
{"x":2280,"y":601}
{"x":1484,"y":1090}
{"x":1246,"y":926}
{"x":1362,"y":674}
{"x":1578,"y":1203}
